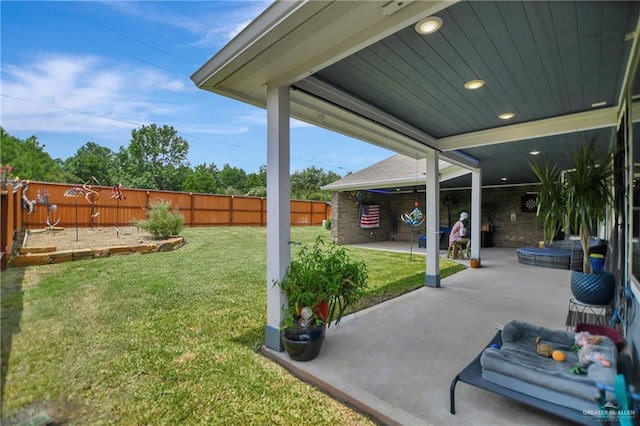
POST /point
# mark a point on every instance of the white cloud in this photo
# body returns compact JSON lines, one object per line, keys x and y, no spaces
{"x":211,"y":129}
{"x":73,"y":93}
{"x":229,"y":20}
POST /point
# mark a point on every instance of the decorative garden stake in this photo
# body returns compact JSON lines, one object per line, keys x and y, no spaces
{"x":27,"y":204}
{"x":75,"y":192}
{"x":117,"y":195}
{"x":43,"y":197}
{"x":413,"y":219}
{"x":92,"y":197}
{"x":7,"y":178}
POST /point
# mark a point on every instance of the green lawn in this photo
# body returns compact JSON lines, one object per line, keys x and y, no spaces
{"x":166,"y":338}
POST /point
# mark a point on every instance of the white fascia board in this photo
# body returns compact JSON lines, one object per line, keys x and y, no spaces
{"x":260,"y":33}
{"x":588,"y":120}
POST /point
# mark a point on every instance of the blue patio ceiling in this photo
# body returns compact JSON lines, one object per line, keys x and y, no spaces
{"x":360,"y":68}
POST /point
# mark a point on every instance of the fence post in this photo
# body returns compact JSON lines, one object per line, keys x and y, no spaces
{"x":10,"y":227}
{"x":231,"y":211}
{"x":191,"y":206}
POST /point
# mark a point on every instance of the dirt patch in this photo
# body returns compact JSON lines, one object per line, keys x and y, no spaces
{"x":90,"y":238}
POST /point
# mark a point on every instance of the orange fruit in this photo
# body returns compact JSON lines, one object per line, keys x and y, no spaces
{"x":558,"y":356}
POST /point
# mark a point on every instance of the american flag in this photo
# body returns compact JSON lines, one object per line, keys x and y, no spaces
{"x":369,"y":216}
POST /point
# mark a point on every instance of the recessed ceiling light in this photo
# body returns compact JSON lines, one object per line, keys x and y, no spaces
{"x":506,"y":115}
{"x":429,"y":25}
{"x":474,"y":84}
{"x":534,"y":152}
{"x":503,"y":178}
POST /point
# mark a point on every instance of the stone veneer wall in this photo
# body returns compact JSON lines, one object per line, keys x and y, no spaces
{"x":500,"y":207}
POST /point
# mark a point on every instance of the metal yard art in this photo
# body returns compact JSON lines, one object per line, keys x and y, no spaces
{"x":7,"y":178}
{"x":43,"y":198}
{"x":356,"y":196}
{"x":75,"y":192}
{"x":117,"y":195}
{"x":92,"y":197}
{"x":415,"y":218}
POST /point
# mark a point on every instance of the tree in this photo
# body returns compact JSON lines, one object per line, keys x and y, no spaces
{"x":127,"y":172}
{"x":203,"y":179}
{"x":92,"y":160}
{"x":232,"y":180}
{"x":256,"y":183}
{"x":158,"y":154}
{"x":29,"y":159}
{"x":305,"y":184}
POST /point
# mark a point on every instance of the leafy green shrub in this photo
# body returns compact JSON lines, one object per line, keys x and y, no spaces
{"x":324,"y":272}
{"x":162,"y":221}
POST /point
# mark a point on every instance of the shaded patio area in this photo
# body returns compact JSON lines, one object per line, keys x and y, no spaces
{"x":396,"y":360}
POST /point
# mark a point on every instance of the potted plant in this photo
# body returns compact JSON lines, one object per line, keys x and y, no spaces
{"x":579,"y":198}
{"x":322,"y":284}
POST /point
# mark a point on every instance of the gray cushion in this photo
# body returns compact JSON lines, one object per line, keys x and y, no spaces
{"x":517,"y":358}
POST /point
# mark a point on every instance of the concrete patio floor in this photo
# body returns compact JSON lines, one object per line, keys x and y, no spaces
{"x":396,"y":360}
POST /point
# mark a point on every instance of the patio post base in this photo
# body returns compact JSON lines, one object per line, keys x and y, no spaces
{"x":432,"y":280}
{"x":272,"y":338}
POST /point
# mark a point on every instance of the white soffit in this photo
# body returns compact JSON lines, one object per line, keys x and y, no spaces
{"x":292,"y":40}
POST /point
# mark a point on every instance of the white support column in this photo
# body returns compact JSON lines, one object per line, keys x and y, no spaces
{"x":476,"y":211}
{"x":278,"y":209}
{"x":432,"y":210}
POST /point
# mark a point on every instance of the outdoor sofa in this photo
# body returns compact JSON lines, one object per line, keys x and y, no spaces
{"x":563,"y":254}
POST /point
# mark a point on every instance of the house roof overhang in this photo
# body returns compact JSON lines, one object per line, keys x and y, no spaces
{"x":360,"y":68}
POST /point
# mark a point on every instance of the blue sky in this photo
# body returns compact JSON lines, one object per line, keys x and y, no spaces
{"x":74,"y":72}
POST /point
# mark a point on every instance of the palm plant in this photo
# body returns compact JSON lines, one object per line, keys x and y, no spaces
{"x":579,"y":197}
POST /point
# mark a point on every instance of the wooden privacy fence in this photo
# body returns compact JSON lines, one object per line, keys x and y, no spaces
{"x":197,"y":209}
{"x":94,"y":206}
{"x":10,"y":212}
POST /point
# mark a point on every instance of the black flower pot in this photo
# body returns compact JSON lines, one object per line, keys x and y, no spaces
{"x":593,"y":289}
{"x":303,"y":345}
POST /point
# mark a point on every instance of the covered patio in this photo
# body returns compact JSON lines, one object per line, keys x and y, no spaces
{"x":482,"y":86}
{"x":395,"y":361}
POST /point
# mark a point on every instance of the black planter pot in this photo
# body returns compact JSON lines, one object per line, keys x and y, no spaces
{"x":593,"y":289}
{"x":303,"y":345}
